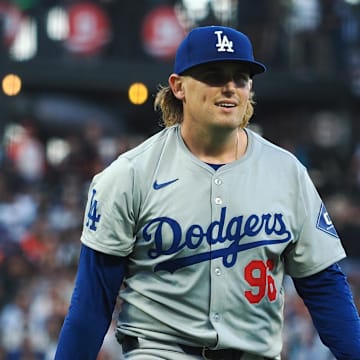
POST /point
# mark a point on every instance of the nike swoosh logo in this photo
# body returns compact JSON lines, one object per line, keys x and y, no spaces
{"x":158,"y":186}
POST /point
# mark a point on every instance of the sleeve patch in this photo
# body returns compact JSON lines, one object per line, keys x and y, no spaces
{"x":93,"y":217}
{"x":324,"y":222}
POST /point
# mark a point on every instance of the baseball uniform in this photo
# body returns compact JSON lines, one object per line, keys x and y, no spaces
{"x":208,"y":249}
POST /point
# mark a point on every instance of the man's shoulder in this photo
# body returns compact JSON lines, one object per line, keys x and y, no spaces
{"x":270,"y":148}
{"x":149,"y":146}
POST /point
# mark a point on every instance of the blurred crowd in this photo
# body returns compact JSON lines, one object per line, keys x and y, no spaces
{"x":44,"y":180}
{"x":42,"y":196}
{"x":306,"y":37}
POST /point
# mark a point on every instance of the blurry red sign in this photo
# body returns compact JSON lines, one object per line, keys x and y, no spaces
{"x":89,"y":28}
{"x":162,"y":32}
{"x":11,"y":20}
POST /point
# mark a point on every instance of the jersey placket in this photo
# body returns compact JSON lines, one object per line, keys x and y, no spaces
{"x":217,"y":273}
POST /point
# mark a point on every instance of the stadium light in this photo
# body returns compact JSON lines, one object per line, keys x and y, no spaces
{"x":138,"y":93}
{"x":11,"y":85}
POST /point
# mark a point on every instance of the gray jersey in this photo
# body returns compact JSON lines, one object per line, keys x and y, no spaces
{"x":208,"y":249}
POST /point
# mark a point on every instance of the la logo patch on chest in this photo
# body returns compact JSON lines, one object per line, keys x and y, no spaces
{"x":324,"y":222}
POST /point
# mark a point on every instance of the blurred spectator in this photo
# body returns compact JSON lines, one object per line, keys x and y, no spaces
{"x":15,"y":272}
{"x":331,"y":36}
{"x":355,"y":168}
{"x":27,"y":152}
{"x":345,"y":210}
{"x":14,"y":323}
{"x":329,"y":149}
{"x":303,"y":23}
{"x":274,"y":47}
{"x":15,"y":200}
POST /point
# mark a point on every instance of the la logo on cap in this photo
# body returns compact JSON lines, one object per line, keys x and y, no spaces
{"x":223,"y":43}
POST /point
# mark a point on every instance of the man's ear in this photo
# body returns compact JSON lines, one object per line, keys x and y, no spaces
{"x":176,"y":85}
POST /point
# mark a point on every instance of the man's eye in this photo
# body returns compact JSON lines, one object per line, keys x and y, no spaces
{"x":240,"y":79}
{"x":213,"y":77}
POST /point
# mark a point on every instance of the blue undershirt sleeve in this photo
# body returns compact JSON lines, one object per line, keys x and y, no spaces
{"x":97,"y":285}
{"x":328,"y":297}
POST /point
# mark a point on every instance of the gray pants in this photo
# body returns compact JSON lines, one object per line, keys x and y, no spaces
{"x":155,"y":350}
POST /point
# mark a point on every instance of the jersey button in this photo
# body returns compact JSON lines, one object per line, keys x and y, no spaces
{"x":218,"y":271}
{"x":218,"y":201}
{"x":216,"y":317}
{"x":218,"y":182}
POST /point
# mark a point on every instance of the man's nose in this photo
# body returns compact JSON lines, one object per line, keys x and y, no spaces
{"x":229,"y":84}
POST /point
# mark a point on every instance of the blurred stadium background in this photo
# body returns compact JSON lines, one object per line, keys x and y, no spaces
{"x":77,"y":85}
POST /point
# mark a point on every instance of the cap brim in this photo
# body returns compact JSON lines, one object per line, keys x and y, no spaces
{"x":255,"y":67}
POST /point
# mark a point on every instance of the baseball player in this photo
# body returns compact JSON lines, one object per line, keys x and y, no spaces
{"x":200,"y":223}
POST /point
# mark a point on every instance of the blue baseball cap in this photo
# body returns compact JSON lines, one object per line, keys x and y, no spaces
{"x":215,"y":43}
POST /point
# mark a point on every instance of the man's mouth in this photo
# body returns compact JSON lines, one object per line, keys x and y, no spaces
{"x":226,"y":105}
